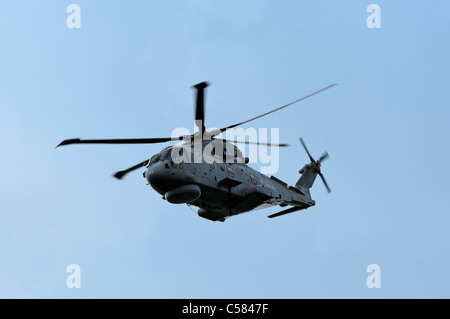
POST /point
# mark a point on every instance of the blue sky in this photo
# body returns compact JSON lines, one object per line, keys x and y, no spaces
{"x":127,"y":73}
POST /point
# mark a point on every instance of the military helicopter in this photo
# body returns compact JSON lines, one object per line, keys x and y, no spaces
{"x":221,"y":185}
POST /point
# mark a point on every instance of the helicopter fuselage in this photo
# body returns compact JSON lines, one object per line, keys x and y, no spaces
{"x":219,"y":189}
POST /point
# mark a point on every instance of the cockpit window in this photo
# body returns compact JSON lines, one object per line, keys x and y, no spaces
{"x":154,"y":159}
{"x":166,"y":155}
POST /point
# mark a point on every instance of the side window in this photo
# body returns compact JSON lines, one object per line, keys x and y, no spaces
{"x":253,"y":179}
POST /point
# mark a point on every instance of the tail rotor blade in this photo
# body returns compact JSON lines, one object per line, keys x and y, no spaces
{"x":323,"y":157}
{"x":325,"y":182}
{"x":306,"y":149}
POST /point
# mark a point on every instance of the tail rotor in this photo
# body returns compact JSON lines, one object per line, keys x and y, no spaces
{"x":316,"y":164}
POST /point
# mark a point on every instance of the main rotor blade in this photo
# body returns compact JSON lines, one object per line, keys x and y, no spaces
{"x":248,"y":142}
{"x":118,"y":141}
{"x":200,"y":106}
{"x":121,"y":174}
{"x":306,"y":149}
{"x":277,"y":109}
{"x":325,"y":182}
{"x":286,"y":211}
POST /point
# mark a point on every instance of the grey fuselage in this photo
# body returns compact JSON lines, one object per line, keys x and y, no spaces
{"x":220,"y":189}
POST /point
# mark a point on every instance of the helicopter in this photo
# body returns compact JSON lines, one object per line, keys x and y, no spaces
{"x":220,"y":184}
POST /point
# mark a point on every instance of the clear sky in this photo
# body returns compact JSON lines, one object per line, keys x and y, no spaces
{"x":127,"y":72}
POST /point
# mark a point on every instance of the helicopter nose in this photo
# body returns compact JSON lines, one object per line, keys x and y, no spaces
{"x":163,"y":177}
{"x":155,"y":174}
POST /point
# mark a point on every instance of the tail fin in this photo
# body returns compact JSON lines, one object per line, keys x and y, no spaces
{"x":306,"y":181}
